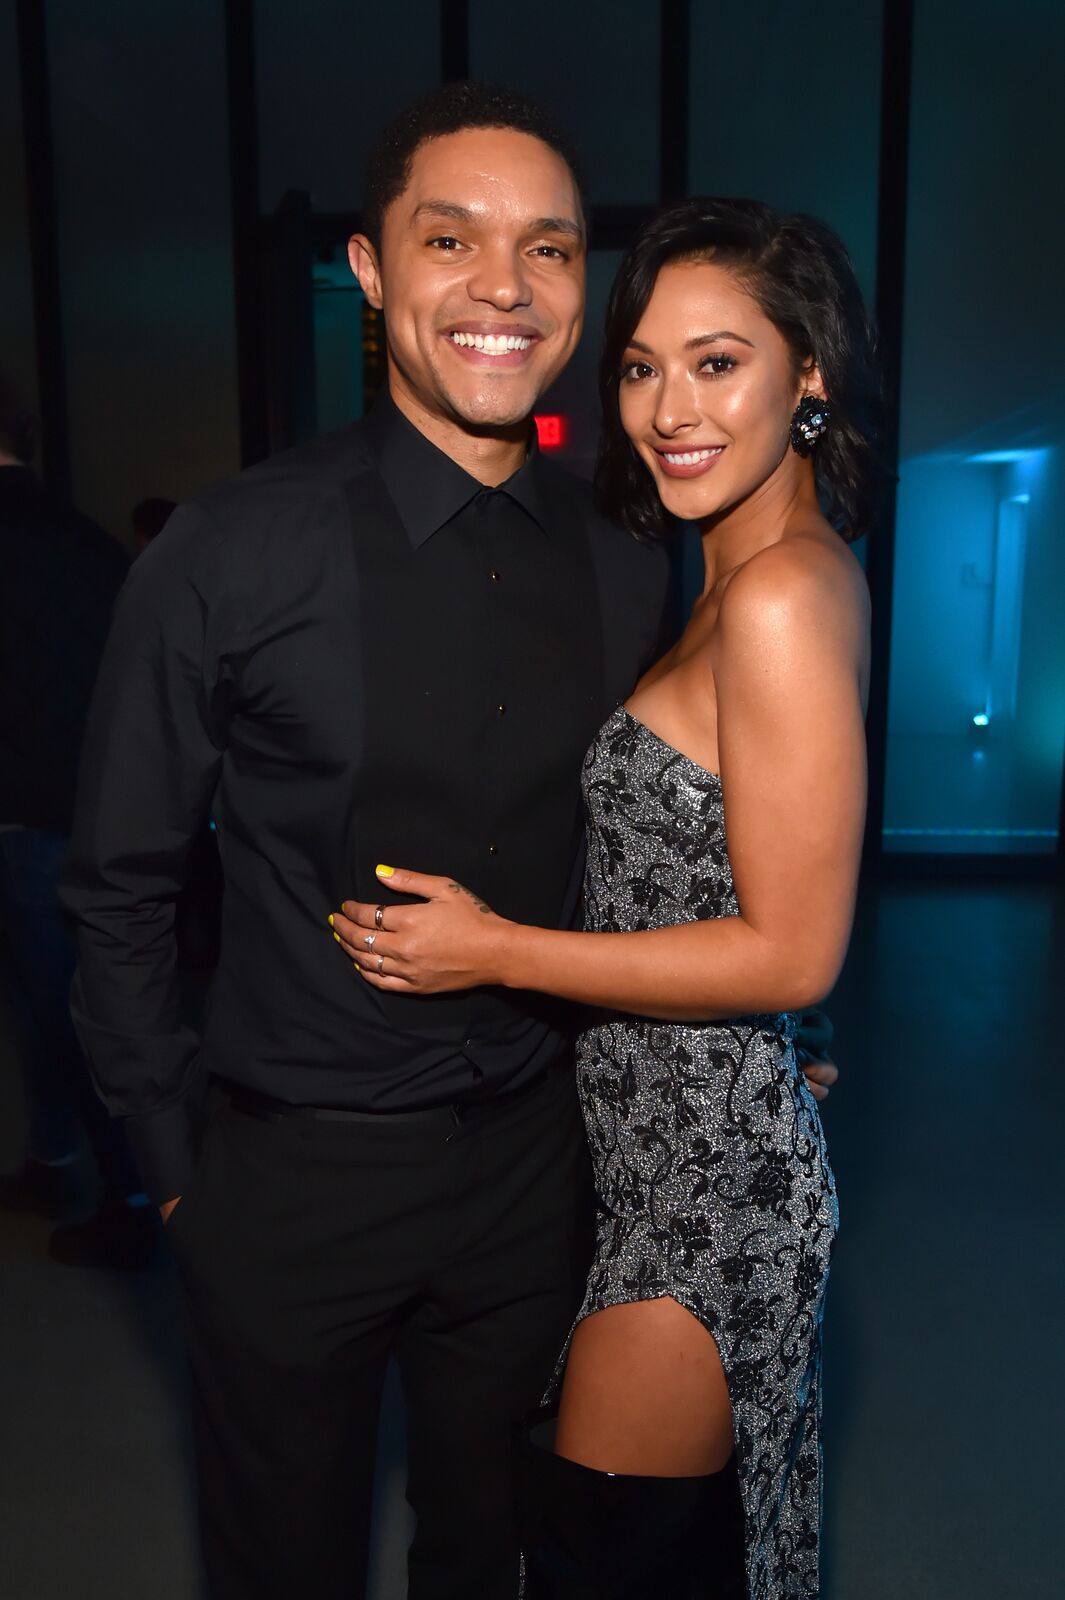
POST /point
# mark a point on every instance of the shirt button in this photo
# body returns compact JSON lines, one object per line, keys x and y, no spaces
{"x":495,"y":576}
{"x":501,"y":710}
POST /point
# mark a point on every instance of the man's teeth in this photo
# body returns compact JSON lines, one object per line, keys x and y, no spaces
{"x":689,"y":457}
{"x":493,"y":344}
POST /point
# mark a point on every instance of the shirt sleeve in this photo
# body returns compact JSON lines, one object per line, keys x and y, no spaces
{"x":150,"y":763}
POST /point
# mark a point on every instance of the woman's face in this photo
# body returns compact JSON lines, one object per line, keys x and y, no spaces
{"x":707,"y":391}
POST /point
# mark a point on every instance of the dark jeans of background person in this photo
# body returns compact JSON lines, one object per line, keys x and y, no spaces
{"x":308,"y":1251}
{"x":62,"y":1106}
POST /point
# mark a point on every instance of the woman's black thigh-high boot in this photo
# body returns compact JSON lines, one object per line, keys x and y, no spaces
{"x":590,"y":1535}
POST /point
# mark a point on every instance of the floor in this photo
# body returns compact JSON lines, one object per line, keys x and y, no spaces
{"x":944,"y":1400}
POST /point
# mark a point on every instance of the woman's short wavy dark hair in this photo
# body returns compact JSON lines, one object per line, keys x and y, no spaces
{"x":800,"y":274}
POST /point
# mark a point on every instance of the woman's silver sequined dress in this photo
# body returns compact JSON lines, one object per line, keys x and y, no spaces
{"x":712,"y":1176}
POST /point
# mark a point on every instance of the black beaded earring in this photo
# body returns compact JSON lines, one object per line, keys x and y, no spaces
{"x":809,"y":421}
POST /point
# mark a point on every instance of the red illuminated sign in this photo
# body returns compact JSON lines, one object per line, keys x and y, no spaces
{"x":551,"y":432}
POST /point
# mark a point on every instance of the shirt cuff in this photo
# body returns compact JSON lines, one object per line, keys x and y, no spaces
{"x":166,"y":1148}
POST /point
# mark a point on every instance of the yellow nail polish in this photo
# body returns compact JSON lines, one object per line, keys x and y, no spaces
{"x":384,"y":872}
{"x":355,"y":964}
{"x":336,"y":936}
{"x":330,"y":919}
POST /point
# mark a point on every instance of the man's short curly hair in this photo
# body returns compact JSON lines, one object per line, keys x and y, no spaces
{"x":450,"y":109}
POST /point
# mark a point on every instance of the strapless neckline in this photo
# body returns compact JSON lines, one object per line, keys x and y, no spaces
{"x":671,"y":748}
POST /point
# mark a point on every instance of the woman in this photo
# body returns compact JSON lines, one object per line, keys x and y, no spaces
{"x":736,"y":382}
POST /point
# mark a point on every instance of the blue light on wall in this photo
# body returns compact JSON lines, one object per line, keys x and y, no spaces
{"x":970,"y":765}
{"x":1001,"y":458}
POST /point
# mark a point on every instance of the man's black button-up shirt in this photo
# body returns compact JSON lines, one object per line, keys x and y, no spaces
{"x":353,"y":653}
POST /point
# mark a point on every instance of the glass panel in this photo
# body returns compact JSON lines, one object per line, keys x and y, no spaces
{"x":788,"y":113}
{"x":787,"y":110}
{"x":329,"y":76}
{"x":597,"y":67}
{"x":145,"y":247}
{"x":977,"y":693}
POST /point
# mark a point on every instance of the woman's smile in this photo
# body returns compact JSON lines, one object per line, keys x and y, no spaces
{"x":690,"y":463}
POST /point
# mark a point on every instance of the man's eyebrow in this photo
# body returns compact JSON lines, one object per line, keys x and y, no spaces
{"x":566,"y":225}
{"x":443,"y":208}
{"x":696,"y":343}
{"x":456,"y":213}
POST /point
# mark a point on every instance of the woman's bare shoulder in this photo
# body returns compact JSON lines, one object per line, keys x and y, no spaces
{"x":808,"y":578}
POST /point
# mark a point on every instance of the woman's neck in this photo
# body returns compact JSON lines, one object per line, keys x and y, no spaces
{"x":788,"y":498}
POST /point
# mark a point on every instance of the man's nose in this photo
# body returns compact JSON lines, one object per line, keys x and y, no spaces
{"x":499,"y":279}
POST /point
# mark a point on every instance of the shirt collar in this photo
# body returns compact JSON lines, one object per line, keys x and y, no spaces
{"x":428,"y":488}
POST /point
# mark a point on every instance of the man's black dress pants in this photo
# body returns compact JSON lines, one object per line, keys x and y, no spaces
{"x":309,"y":1251}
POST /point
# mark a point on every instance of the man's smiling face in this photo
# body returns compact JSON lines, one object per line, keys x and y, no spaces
{"x":480,"y":275}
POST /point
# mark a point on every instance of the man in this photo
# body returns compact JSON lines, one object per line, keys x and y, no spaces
{"x":61,"y":574}
{"x":391,"y":644}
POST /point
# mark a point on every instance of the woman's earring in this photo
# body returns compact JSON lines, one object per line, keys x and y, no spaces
{"x":809,"y":421}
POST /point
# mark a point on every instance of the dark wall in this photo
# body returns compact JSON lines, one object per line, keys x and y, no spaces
{"x":18,"y":352}
{"x":143,"y":219}
{"x":139,"y":124}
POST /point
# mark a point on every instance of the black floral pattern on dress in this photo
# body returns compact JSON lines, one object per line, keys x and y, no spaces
{"x":713,"y":1179}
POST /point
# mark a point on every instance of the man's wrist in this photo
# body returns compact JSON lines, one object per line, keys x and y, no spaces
{"x":166,"y":1148}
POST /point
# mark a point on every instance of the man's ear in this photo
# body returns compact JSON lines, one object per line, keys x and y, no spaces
{"x":362,"y":258}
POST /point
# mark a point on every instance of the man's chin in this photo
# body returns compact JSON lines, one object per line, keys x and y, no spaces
{"x":495,"y":410}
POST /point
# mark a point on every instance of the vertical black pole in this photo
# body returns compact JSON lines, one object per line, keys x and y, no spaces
{"x":288,"y":298}
{"x":674,"y":68}
{"x":244,"y":202}
{"x":454,"y":40}
{"x":895,"y":81}
{"x":44,"y":244}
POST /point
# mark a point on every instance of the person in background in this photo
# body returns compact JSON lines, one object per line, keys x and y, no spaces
{"x":59,"y":575}
{"x":149,"y":518}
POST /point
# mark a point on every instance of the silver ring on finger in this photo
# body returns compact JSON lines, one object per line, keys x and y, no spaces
{"x":369,"y":940}
{"x":380,"y":964}
{"x":379,"y":918}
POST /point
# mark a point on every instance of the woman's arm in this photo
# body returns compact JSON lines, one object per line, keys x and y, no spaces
{"x":787,"y":656}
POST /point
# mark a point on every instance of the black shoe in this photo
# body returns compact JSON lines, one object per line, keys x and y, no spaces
{"x":39,"y":1189}
{"x":609,"y":1536}
{"x":121,"y":1237}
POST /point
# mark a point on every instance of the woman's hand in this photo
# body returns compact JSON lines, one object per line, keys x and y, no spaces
{"x":452,"y":941}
